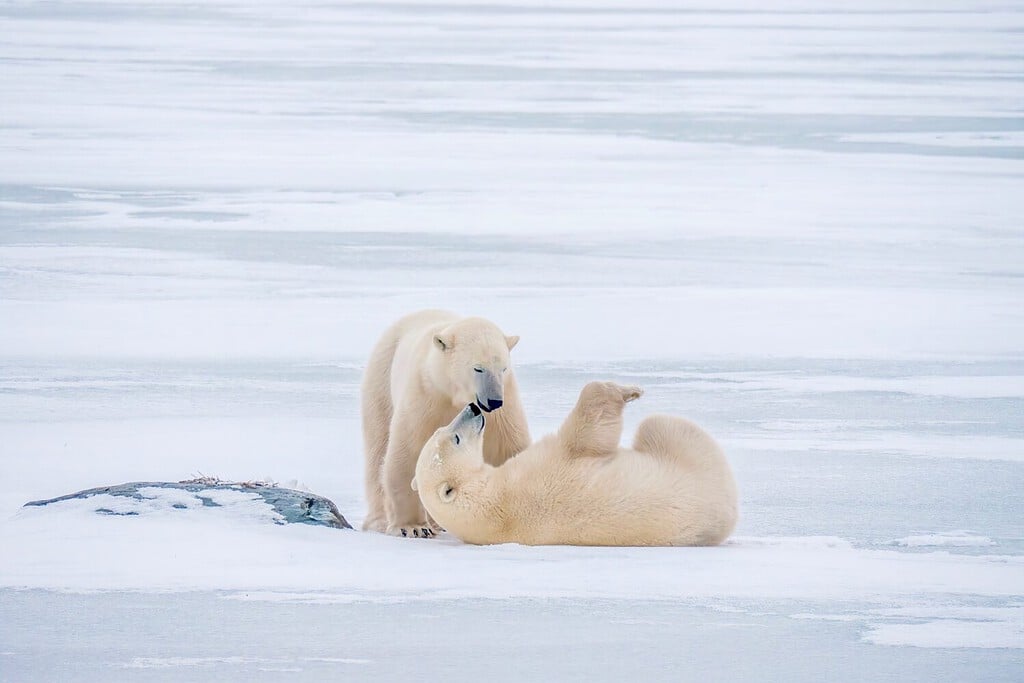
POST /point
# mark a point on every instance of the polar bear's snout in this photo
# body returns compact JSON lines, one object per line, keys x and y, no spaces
{"x":470,"y":417}
{"x":489,"y":390}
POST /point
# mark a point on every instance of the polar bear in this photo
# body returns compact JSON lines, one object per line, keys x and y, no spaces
{"x":579,"y":487}
{"x":423,"y":371}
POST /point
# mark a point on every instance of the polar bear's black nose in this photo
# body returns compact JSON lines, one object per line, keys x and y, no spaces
{"x":493,"y":404}
{"x":474,"y":409}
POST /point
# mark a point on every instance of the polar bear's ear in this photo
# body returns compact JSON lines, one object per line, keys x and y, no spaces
{"x":443,"y":342}
{"x":415,"y":486}
{"x":512,"y":340}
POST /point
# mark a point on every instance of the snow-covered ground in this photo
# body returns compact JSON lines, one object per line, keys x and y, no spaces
{"x":800,"y":226}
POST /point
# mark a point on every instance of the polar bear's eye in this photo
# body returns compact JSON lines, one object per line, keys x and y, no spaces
{"x":456,"y":439}
{"x":446,"y":492}
{"x":478,"y":369}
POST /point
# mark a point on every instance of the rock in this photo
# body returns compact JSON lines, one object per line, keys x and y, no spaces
{"x":291,"y":506}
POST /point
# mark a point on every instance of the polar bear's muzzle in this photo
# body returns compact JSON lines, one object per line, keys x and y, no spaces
{"x":469,"y":418}
{"x":490,"y":391}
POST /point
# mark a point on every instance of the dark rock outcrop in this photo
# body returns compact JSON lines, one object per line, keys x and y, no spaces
{"x":294,"y":507}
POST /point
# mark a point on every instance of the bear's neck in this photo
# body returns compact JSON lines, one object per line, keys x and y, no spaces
{"x":487,"y":520}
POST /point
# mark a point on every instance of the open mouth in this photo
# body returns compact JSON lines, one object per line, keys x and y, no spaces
{"x":478,"y":406}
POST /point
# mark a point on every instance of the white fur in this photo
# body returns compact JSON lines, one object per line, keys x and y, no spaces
{"x":578,"y":487}
{"x":421,"y":374}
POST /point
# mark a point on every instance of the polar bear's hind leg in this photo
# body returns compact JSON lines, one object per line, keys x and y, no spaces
{"x":594,"y":427}
{"x":680,"y":440}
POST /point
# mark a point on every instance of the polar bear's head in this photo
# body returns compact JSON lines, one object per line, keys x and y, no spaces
{"x":449,"y":467}
{"x":471,"y":358}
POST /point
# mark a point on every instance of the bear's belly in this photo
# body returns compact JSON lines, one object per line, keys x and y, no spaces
{"x":591,"y":516}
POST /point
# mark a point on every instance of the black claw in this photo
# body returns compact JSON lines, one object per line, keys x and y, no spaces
{"x":426,"y":532}
{"x":404,"y":532}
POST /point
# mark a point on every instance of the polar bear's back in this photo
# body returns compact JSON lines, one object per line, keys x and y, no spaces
{"x":409,"y":336}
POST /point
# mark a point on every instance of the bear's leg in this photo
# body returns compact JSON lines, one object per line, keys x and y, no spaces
{"x":679,"y":440}
{"x":594,"y":427}
{"x":507,"y":433}
{"x":405,"y":513}
{"x":376,"y":445}
{"x":376,"y":415}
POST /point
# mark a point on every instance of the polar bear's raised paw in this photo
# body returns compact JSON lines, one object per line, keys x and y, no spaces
{"x":631,"y":393}
{"x":609,"y":393}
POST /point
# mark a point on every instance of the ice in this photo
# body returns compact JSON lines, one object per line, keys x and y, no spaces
{"x":266,"y":663}
{"x":978,"y":628}
{"x":949,"y":538}
{"x":798,"y":224}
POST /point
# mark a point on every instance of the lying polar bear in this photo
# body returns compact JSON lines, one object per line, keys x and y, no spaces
{"x":579,"y":487}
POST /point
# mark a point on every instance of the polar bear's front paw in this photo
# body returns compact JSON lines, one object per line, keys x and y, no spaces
{"x":412,"y":531}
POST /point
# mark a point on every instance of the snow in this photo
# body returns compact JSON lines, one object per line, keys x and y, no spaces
{"x":169,"y":504}
{"x":798,"y":224}
{"x":225,"y":552}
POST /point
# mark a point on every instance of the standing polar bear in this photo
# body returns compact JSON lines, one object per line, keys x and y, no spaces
{"x":578,"y":487}
{"x":423,"y":371}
